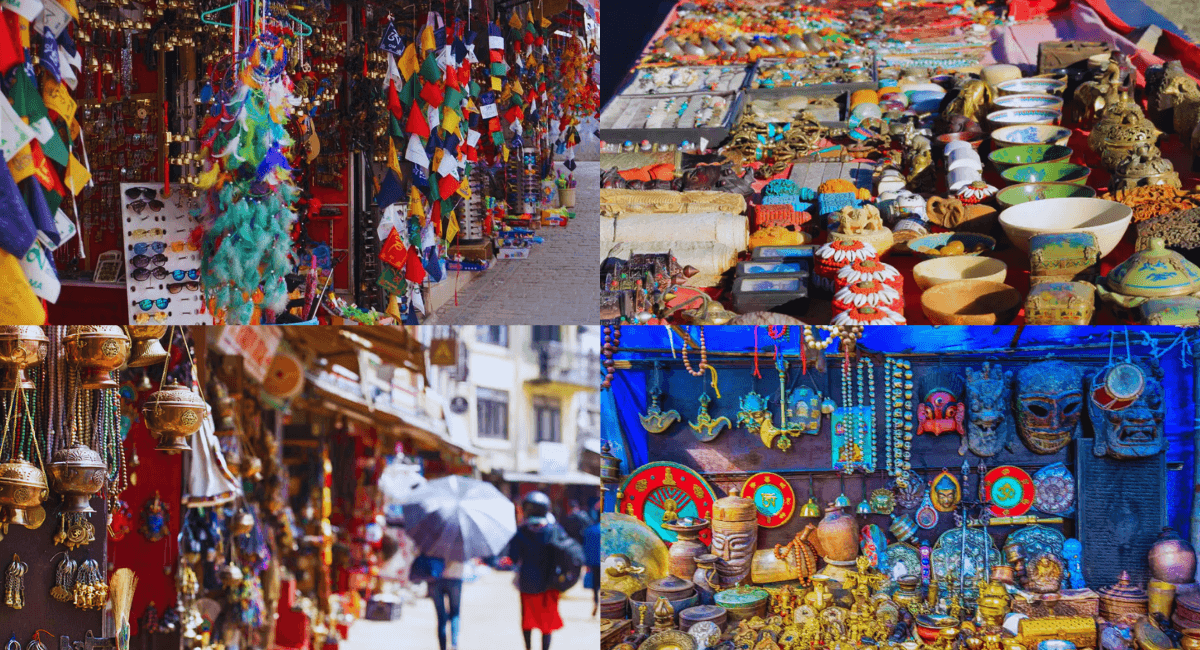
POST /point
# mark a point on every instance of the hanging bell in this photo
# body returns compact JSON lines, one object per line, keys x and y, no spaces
{"x":842,"y":501}
{"x":863,"y":508}
{"x":810,"y":509}
{"x":828,"y":406}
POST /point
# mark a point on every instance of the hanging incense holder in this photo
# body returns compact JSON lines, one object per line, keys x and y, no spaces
{"x":655,"y":419}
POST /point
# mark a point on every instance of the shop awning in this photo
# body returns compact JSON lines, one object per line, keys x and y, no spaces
{"x":569,"y":478}
{"x":340,"y":345}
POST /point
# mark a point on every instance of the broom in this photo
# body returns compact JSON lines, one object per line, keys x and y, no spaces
{"x":120,"y":591}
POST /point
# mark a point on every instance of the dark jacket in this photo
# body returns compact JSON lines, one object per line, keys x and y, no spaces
{"x":530,"y":549}
{"x":576,"y":523}
{"x":591,"y":546}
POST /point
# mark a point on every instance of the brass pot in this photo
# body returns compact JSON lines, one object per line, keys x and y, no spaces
{"x":1191,"y":639}
{"x":1172,"y":559}
{"x":77,"y":473}
{"x":147,"y":349}
{"x":686,"y":547}
{"x":174,"y":413}
{"x":21,"y":346}
{"x":908,"y":592}
{"x":97,"y":350}
{"x":1161,"y":597}
{"x":22,"y":491}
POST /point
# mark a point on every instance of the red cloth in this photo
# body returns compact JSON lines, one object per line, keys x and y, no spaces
{"x":540,"y":612}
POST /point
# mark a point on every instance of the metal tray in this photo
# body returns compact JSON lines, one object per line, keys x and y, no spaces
{"x":673,"y":135}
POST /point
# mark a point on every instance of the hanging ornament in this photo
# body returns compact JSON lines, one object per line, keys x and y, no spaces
{"x":155,"y":519}
{"x":945,"y":491}
{"x":14,"y":583}
{"x":120,"y":521}
{"x":90,"y":589}
{"x":21,"y":346}
{"x":656,"y":420}
{"x":64,"y":580}
{"x":706,"y":428}
{"x":173,"y":414}
{"x":942,"y":412}
{"x":926,"y":516}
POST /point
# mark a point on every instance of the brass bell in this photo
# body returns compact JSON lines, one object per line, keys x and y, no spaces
{"x":810,"y":509}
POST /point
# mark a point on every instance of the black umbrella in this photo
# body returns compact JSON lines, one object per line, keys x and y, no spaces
{"x":458,"y":518}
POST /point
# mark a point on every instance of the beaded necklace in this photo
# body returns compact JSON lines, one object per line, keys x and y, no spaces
{"x":699,"y":372}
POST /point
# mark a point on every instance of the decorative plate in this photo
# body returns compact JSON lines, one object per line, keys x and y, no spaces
{"x":1010,"y":491}
{"x":950,"y":552}
{"x":1054,"y":490}
{"x":1036,"y":540}
{"x":773,"y":496}
{"x":662,"y":490}
{"x":901,"y":560}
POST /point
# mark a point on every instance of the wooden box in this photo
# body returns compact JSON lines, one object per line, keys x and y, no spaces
{"x":1053,"y":55}
{"x":1069,"y":602}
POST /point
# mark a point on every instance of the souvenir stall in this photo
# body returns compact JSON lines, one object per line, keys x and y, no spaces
{"x":984,"y":488}
{"x":255,"y":162}
{"x":83,"y":407}
{"x":952,"y":163}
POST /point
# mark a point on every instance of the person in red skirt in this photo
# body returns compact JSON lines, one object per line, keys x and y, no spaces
{"x":531,"y":550}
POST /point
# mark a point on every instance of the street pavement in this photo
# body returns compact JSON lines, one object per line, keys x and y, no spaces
{"x":490,"y":620}
{"x":558,"y":284}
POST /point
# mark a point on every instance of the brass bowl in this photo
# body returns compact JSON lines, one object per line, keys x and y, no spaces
{"x":174,"y":413}
{"x":22,"y":489}
{"x":146,"y":349}
{"x":21,"y":346}
{"x":77,"y":473}
{"x":97,"y":350}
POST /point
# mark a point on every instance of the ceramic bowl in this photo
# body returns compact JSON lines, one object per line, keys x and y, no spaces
{"x":1025,"y":192}
{"x":941,"y":270}
{"x":971,"y":302}
{"x":1031,"y":86}
{"x":1047,"y":173}
{"x":973,"y":244}
{"x":1107,"y":220}
{"x":1011,"y":116}
{"x":973,"y":138}
{"x":1029,"y":154}
{"x":1029,"y":101}
{"x":1009,"y":136}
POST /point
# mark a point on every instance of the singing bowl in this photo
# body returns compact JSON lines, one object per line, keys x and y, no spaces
{"x":1107,"y":220}
{"x":97,"y":350}
{"x":21,"y":346}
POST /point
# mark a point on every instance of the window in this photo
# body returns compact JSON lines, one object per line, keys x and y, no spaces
{"x":549,"y":421}
{"x":492,"y":406}
{"x":494,"y":334}
{"x":547,"y":333}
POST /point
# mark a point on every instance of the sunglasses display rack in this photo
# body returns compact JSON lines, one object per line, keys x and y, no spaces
{"x":162,"y":257}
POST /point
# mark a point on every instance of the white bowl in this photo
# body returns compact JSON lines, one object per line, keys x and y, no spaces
{"x":1018,"y":134}
{"x":1031,"y":86}
{"x":1011,"y":116}
{"x":1107,"y":220}
{"x":1029,"y":100}
{"x":939,"y":270}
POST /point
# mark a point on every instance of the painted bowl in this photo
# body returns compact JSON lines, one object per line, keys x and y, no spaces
{"x":971,"y":302}
{"x":974,"y":138}
{"x":1029,"y":154}
{"x":1011,"y":116}
{"x":1057,"y":172}
{"x":931,"y":246}
{"x":1107,"y":220}
{"x":1031,"y":86}
{"x":1009,"y":136}
{"x":1025,"y":192}
{"x":1029,"y":101}
{"x":941,"y":270}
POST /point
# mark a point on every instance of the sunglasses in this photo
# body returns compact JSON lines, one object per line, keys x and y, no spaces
{"x":141,"y":192}
{"x":148,"y":232}
{"x":139,"y":205}
{"x":180,"y":274}
{"x":157,"y":317}
{"x":180,"y":246}
{"x":157,"y":247}
{"x":141,"y":275}
{"x":149,"y":303}
{"x":193,"y":285}
{"x":141,"y":261}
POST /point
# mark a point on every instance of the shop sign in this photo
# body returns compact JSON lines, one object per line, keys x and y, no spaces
{"x":256,"y":345}
{"x":443,"y":352}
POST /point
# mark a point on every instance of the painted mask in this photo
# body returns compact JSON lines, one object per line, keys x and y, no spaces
{"x":1049,"y":402}
{"x":945,"y":492}
{"x":1135,"y":431}
{"x":989,"y":393}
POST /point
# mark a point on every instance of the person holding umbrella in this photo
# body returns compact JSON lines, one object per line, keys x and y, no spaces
{"x":548,"y":562}
{"x":454,"y":519}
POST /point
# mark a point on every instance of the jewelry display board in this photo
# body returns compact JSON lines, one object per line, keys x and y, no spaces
{"x":162,"y":257}
{"x":662,"y":119}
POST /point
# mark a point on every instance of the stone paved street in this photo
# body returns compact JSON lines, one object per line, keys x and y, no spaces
{"x":490,"y":619}
{"x":556,"y":285}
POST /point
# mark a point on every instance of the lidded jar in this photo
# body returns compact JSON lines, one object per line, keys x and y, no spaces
{"x":174,"y":413}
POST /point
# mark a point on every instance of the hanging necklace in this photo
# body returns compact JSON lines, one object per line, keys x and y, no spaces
{"x":703,"y":357}
{"x":612,"y":340}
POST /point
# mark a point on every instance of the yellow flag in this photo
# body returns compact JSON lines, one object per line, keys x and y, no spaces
{"x":496,"y":83}
{"x":436,"y":160}
{"x":504,"y":152}
{"x":393,"y":161}
{"x":464,"y":188}
{"x":416,"y":208}
{"x":58,"y":99}
{"x":515,"y":21}
{"x":450,"y":121}
{"x":72,"y":8}
{"x":18,"y":304}
{"x":545,"y":23}
{"x":428,"y":42}
{"x":77,"y":176}
{"x":21,"y":164}
{"x":24,"y":28}
{"x":408,"y":63}
{"x":451,"y":227}
{"x":518,"y":88}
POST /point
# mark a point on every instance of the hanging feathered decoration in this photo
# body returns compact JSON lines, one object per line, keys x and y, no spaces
{"x":248,"y":211}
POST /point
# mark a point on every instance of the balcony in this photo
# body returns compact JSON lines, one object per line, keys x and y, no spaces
{"x":564,"y":369}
